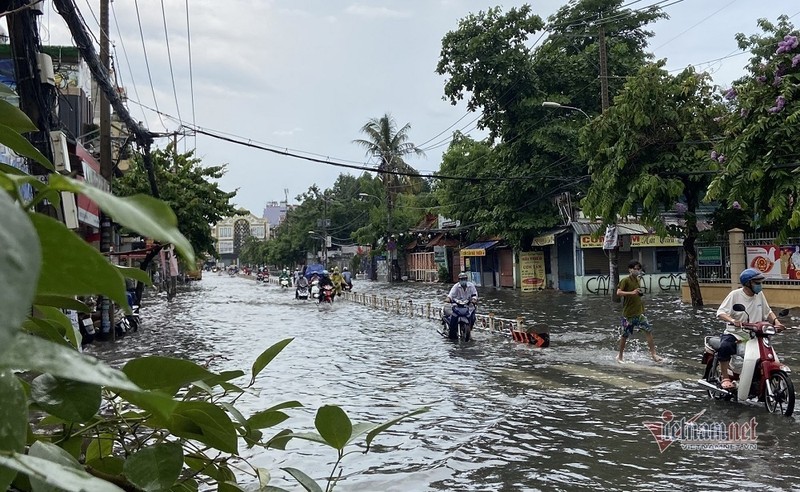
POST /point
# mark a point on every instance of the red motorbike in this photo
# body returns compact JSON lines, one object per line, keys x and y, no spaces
{"x":326,"y":296}
{"x":755,"y":369}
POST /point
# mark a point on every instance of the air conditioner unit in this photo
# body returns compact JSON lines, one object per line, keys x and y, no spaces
{"x":46,"y":73}
{"x":60,"y":151}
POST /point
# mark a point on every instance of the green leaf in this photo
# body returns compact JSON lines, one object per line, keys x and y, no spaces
{"x":61,"y":302}
{"x":229,"y":487}
{"x":382,"y":427}
{"x":22,"y":146}
{"x":47,"y":330}
{"x":71,"y":267}
{"x":20,"y":256}
{"x":204,"y":422}
{"x":144,"y":214}
{"x":59,"y":476}
{"x":14,"y":418}
{"x":266,"y":357}
{"x":110,"y":465}
{"x":55,"y":315}
{"x":159,"y":404}
{"x":223,"y":376}
{"x":282,"y":438}
{"x":333,"y":425}
{"x":307,"y":482}
{"x":155,"y":467}
{"x":55,"y":454}
{"x":34,"y":354}
{"x":100,"y":447}
{"x":164,"y":373}
{"x":15,"y":118}
{"x":266,"y":418}
{"x":135,"y":273}
{"x":70,"y":400}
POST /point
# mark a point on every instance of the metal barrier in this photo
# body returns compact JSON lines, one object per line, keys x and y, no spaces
{"x":510,"y":328}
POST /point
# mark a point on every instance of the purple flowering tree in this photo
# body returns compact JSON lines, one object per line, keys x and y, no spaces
{"x":644,"y":156}
{"x":762,"y":132}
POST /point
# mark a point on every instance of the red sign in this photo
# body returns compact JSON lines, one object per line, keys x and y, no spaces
{"x":88,"y":211}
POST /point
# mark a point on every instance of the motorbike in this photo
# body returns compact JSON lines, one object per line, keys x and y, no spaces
{"x":347,"y":287}
{"x":463,"y":331}
{"x":134,"y":319}
{"x":284,"y":283}
{"x":755,"y":369}
{"x":315,"y":289}
{"x":327,"y":295}
{"x":301,"y":291}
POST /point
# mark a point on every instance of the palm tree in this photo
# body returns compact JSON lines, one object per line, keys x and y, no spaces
{"x":390,"y":145}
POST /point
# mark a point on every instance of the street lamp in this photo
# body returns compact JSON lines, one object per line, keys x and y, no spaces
{"x":555,"y":105}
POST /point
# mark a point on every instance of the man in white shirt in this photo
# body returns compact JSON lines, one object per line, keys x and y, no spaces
{"x":462,"y":291}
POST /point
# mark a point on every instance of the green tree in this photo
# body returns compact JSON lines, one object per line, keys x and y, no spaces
{"x":758,"y":157}
{"x":648,"y":155}
{"x":188,"y":188}
{"x":391,"y":145}
{"x":489,"y":61}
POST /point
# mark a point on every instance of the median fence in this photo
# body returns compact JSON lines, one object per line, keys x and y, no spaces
{"x":516,"y":329}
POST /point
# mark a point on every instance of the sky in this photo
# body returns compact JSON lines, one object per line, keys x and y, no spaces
{"x":304,"y":76}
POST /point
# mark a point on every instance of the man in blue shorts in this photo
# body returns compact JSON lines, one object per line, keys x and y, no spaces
{"x":633,"y":317}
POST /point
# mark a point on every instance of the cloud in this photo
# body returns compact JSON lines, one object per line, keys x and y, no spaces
{"x":376,"y":12}
{"x":287,"y":133}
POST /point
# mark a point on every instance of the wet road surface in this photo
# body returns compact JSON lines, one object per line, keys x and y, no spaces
{"x":504,"y":416}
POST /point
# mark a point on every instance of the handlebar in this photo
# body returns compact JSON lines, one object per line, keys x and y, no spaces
{"x":764,"y":327}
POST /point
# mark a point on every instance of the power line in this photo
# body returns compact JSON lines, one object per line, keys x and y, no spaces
{"x":147,"y":62}
{"x":169,"y":60}
{"x":695,"y":25}
{"x":191,"y":71}
{"x":127,"y":59}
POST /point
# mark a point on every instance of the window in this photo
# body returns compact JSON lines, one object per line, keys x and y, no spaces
{"x":225,"y":232}
{"x":668,"y":261}
{"x":257,"y":231}
{"x":225,"y":247}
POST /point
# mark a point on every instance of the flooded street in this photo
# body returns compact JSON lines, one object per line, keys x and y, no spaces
{"x":504,"y":416}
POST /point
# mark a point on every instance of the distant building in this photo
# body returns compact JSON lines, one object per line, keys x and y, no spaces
{"x":232,"y":232}
{"x":275,"y":214}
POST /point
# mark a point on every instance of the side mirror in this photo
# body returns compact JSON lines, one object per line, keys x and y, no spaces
{"x":783,"y":312}
{"x":739,"y":308}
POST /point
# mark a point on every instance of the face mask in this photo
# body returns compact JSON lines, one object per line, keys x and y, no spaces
{"x":463,"y":283}
{"x":756,"y":288}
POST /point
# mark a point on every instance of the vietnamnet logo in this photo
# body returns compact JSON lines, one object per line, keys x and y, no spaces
{"x":694,"y":435}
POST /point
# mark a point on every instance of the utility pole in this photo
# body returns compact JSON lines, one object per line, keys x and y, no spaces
{"x":106,"y":167}
{"x":613,"y":253}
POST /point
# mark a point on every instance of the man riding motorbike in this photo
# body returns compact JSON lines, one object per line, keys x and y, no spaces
{"x":756,"y":309}
{"x":347,"y":277}
{"x":326,"y":280}
{"x":285,"y":276}
{"x":464,"y":291}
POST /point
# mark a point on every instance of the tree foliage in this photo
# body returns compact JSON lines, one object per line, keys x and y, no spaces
{"x":489,"y":60}
{"x":188,"y":188}
{"x":758,"y":157}
{"x":648,"y":155}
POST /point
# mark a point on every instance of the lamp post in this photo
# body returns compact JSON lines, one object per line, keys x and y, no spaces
{"x":613,"y":253}
{"x":555,"y":105}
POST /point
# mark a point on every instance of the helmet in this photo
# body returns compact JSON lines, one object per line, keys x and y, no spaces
{"x":344,"y":269}
{"x":463,"y":276}
{"x":749,"y":275}
{"x":325,"y":272}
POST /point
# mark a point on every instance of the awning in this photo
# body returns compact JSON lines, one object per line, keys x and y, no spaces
{"x":478,"y":249}
{"x":549,"y":237}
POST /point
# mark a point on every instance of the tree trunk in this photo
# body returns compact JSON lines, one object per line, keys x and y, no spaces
{"x":144,"y":266}
{"x":691,"y":258}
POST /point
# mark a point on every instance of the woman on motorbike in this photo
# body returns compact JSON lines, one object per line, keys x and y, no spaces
{"x":336,"y":278}
{"x":756,"y":309}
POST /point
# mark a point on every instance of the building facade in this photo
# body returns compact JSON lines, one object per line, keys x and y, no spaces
{"x":231,"y":233}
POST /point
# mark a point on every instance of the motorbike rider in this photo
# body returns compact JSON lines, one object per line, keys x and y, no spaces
{"x":285,"y":276}
{"x":337,"y":280}
{"x":465,"y":291}
{"x":347,"y":277}
{"x":326,"y":280}
{"x":756,"y":309}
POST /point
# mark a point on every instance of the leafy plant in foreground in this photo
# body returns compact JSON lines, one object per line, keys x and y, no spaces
{"x":70,"y":422}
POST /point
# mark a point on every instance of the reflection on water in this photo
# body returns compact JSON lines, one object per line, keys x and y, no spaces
{"x":504,"y":416}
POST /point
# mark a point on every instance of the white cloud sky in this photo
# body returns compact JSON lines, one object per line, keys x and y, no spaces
{"x":307,"y":75}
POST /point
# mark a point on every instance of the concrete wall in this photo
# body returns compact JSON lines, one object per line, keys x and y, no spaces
{"x":778,"y":296}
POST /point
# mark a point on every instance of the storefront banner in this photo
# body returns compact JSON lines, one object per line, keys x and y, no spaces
{"x":765,"y":259}
{"x":651,"y":240}
{"x":532,"y":271}
{"x":440,"y":256}
{"x":775,"y":262}
{"x":709,"y":256}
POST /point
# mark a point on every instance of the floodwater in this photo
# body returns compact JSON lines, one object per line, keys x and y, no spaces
{"x":504,"y":416}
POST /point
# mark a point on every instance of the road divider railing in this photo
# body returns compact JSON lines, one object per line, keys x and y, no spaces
{"x":516,"y":329}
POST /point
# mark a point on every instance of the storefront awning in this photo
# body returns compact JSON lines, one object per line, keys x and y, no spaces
{"x":478,"y":249}
{"x":549,"y":237}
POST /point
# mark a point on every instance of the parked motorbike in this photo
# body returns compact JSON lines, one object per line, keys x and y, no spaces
{"x":755,"y":369}
{"x":134,"y":318}
{"x":463,"y":330}
{"x":327,"y":295}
